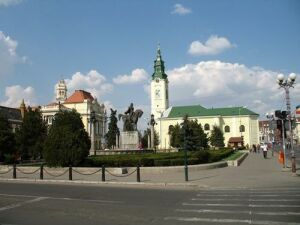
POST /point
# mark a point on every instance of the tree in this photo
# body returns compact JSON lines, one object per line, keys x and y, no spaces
{"x":217,"y":137}
{"x":145,"y":138}
{"x":7,"y":140}
{"x":195,"y":137}
{"x":113,"y":130}
{"x":31,"y":135}
{"x":67,"y":142}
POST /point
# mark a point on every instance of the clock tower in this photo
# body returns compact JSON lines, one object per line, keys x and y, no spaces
{"x":159,"y":87}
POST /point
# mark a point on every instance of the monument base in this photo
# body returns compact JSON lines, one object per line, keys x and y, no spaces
{"x":129,"y":140}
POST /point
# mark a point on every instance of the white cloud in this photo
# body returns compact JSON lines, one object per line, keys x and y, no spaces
{"x":16,"y":93}
{"x":214,"y":45}
{"x":180,"y":10}
{"x":93,"y":82}
{"x":9,"y":2}
{"x":220,"y":84}
{"x":136,"y":76}
{"x":8,"y":55}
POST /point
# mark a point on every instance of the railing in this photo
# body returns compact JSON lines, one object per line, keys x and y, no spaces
{"x":16,"y":170}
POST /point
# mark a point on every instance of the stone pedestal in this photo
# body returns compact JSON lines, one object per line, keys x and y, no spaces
{"x":129,"y":140}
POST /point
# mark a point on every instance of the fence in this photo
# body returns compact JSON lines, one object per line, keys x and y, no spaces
{"x":70,"y":171}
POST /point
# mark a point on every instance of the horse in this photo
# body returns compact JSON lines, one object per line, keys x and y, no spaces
{"x":134,"y":119}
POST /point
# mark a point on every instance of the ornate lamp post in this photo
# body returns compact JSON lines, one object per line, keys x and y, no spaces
{"x":286,"y":84}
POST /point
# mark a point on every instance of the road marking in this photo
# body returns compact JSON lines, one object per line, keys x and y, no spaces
{"x":246,"y":195}
{"x":16,"y":205}
{"x":66,"y":199}
{"x":240,"y":205}
{"x":239,"y":212}
{"x":251,"y":200}
{"x":210,"y":220}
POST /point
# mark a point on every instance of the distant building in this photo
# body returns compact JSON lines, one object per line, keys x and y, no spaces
{"x":14,"y":115}
{"x":239,"y":125}
{"x":85,"y":104}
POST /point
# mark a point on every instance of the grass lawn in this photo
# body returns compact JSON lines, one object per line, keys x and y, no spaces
{"x":234,"y":156}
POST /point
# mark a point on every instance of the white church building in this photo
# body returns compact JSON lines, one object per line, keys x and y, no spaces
{"x":239,"y":124}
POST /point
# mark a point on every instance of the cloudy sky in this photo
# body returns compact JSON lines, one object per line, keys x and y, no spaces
{"x":217,"y":53}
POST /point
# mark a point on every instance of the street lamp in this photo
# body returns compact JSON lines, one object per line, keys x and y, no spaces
{"x":286,"y":84}
{"x":92,"y":121}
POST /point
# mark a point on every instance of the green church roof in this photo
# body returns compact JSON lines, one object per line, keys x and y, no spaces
{"x":159,"y":67}
{"x":198,"y":110}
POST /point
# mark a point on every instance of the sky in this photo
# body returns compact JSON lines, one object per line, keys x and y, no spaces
{"x":216,"y":53}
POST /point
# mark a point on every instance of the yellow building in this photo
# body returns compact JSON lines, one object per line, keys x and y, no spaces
{"x":93,"y":114}
{"x":239,"y":124}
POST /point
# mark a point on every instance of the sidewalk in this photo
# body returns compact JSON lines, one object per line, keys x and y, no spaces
{"x":254,"y":172}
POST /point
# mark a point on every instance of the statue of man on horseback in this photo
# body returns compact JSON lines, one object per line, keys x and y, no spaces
{"x":130,"y":118}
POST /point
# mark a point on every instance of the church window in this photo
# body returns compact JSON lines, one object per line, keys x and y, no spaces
{"x":227,"y":129}
{"x":206,"y":127}
{"x":242,"y":128}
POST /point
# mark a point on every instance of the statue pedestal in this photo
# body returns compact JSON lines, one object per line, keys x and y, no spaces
{"x":129,"y":140}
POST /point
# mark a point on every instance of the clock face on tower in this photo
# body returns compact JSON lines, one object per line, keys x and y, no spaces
{"x":157,"y":93}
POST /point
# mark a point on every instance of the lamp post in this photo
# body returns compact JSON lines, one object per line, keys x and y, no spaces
{"x":286,"y":84}
{"x":271,"y":118}
{"x":240,"y":127}
{"x":92,"y":121}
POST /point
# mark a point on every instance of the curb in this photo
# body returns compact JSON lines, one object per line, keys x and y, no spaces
{"x":238,"y":161}
{"x":106,"y":183}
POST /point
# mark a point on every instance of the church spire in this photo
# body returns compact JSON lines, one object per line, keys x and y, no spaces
{"x":159,"y":66}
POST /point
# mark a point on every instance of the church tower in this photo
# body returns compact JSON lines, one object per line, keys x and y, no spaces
{"x":159,"y":87}
{"x":61,"y":91}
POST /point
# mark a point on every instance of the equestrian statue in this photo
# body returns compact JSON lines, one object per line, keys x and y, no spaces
{"x":130,"y":118}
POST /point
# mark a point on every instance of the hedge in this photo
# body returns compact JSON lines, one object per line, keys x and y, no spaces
{"x":159,"y":159}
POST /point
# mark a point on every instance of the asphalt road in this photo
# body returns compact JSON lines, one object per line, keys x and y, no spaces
{"x":43,"y":204}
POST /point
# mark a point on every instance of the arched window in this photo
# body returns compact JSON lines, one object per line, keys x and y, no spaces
{"x":242,"y":128}
{"x":206,"y":127}
{"x":171,"y":128}
{"x":227,"y":129}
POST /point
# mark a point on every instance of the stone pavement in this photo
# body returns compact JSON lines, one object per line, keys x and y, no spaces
{"x":254,"y":172}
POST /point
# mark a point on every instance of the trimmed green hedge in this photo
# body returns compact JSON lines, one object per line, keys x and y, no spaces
{"x":158,"y":159}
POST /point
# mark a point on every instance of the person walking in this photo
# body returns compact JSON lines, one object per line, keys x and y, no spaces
{"x":265,"y":150}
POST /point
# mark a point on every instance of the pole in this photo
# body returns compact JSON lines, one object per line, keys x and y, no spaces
{"x":288,"y":107}
{"x":186,"y":175}
{"x":283,"y":144}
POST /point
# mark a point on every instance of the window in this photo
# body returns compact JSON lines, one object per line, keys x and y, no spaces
{"x":206,"y":127}
{"x":242,"y":128}
{"x":227,"y":129}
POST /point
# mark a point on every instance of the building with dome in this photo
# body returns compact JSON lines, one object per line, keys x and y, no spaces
{"x":239,"y":124}
{"x":92,"y":113}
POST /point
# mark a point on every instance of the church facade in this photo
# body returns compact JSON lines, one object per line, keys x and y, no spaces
{"x":92,"y":113}
{"x":239,"y":124}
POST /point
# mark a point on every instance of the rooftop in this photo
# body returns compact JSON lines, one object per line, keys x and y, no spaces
{"x":79,"y":96}
{"x":11,"y":113}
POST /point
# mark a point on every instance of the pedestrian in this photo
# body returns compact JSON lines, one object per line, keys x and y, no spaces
{"x":257,"y":148}
{"x":254,"y":148}
{"x":265,"y":150}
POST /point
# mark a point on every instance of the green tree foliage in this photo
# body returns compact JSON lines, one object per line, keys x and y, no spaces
{"x":113,"y":130}
{"x":217,"y":137}
{"x":7,"y":140}
{"x":176,"y":137}
{"x":190,"y":131}
{"x":145,"y":138}
{"x":31,"y":135}
{"x":67,"y":142}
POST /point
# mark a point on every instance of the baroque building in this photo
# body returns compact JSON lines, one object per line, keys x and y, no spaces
{"x":239,"y":124}
{"x":92,"y":113}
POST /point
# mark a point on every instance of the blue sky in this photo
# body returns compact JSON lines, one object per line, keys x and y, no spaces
{"x":217,"y":53}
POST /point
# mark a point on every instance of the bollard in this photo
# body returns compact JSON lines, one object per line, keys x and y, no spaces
{"x":42,"y":172}
{"x":138,"y":175}
{"x":14,"y":171}
{"x":70,"y":172}
{"x":103,"y":173}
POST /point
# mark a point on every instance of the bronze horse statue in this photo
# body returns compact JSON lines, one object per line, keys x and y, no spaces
{"x":130,"y":124}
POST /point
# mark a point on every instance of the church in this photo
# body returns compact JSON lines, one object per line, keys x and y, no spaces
{"x":92,"y":113}
{"x":239,"y":124}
